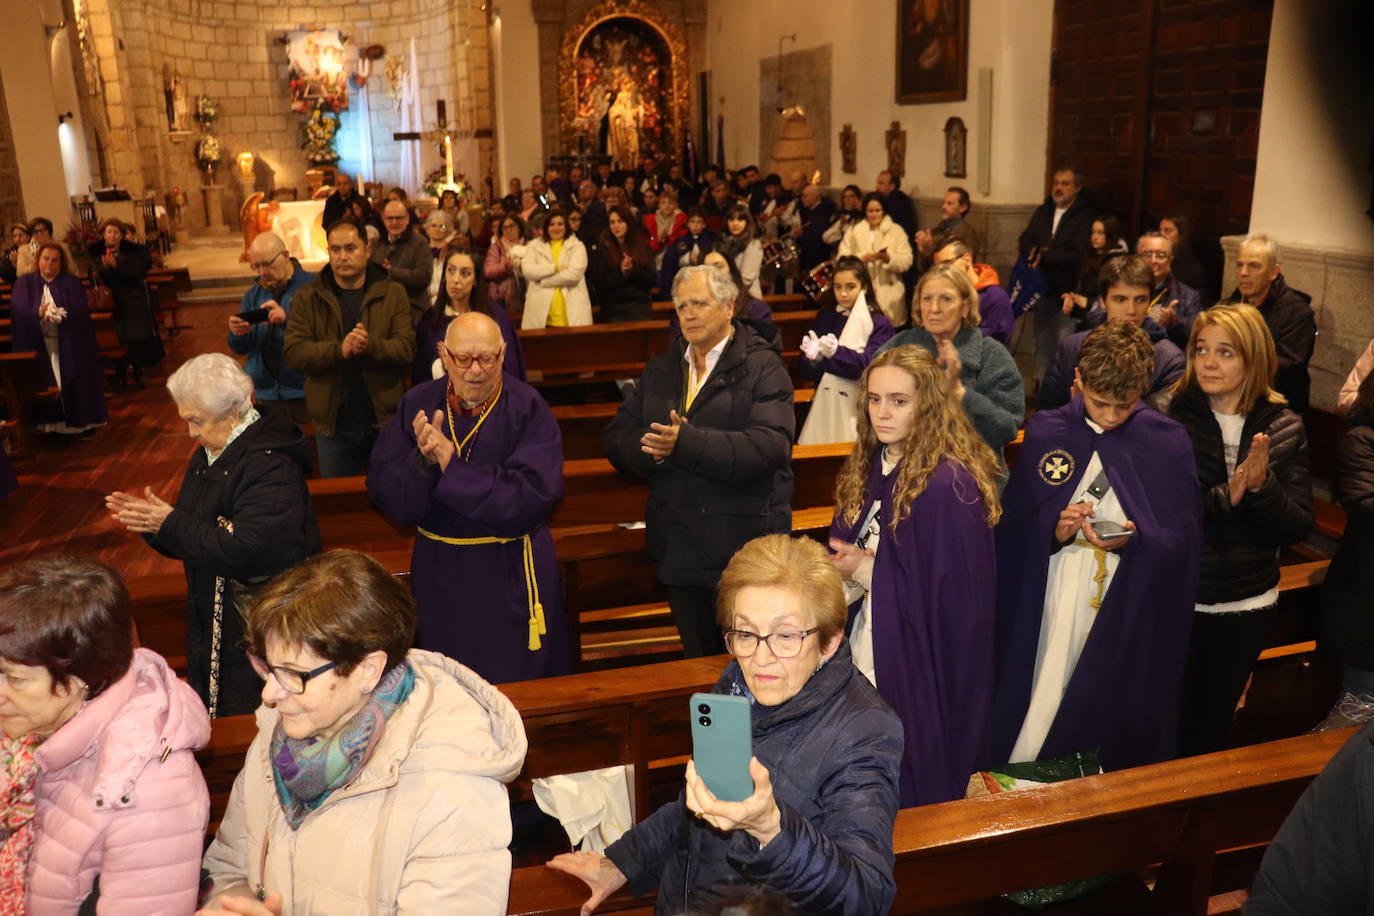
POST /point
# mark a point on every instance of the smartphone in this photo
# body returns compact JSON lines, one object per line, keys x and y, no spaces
{"x":256,"y":316}
{"x":1110,"y":530}
{"x":722,"y":743}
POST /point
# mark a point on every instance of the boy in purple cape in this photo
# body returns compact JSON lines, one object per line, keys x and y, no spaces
{"x":912,"y":537}
{"x":1093,"y":625}
{"x":475,"y":460}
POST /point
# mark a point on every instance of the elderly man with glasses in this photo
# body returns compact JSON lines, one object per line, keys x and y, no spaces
{"x":258,"y":330}
{"x":710,"y":424}
{"x":1174,"y":305}
{"x":475,"y":461}
{"x":405,"y":254}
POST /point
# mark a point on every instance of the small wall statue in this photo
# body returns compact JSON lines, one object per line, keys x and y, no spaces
{"x":896,"y":149}
{"x":849,"y":150}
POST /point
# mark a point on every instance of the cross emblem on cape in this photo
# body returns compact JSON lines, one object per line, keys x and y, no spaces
{"x":1057,"y":468}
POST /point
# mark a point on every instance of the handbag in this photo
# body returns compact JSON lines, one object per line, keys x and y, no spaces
{"x":99,"y":298}
{"x":1027,"y":286}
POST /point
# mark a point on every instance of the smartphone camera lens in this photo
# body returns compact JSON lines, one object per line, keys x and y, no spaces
{"x":705,"y":721}
{"x":703,"y":709}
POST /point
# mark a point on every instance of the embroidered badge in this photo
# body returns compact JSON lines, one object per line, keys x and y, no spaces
{"x":1056,"y":467}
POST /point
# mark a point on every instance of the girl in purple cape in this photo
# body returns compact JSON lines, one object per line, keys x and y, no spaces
{"x":914,"y":508}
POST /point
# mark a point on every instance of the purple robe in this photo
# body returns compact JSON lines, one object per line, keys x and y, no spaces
{"x":1122,"y":697}
{"x":472,"y":600}
{"x":429,"y":333}
{"x":846,"y":363}
{"x":83,"y":388}
{"x":932,"y":611}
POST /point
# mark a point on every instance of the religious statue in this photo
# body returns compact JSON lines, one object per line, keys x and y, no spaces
{"x":175,"y":97}
{"x":956,"y":148}
{"x":849,"y":150}
{"x":896,"y":149}
{"x":626,"y":116}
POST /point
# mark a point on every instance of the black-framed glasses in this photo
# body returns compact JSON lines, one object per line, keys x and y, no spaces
{"x":783,"y":644}
{"x":290,"y":680}
{"x":259,"y":265}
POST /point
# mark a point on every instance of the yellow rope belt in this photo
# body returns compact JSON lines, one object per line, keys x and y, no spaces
{"x":537,"y":627}
{"x":1100,"y":577}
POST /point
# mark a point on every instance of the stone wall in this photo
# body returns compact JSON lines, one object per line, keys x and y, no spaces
{"x":1341,"y":284}
{"x":230,"y":52}
{"x":11,"y":193}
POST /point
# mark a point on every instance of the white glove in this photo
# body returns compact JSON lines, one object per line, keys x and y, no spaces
{"x":829,"y":344}
{"x":811,"y":346}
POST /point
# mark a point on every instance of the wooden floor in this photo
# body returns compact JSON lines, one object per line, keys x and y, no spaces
{"x":60,"y":507}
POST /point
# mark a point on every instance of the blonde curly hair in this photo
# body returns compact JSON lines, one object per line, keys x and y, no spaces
{"x":939,"y":429}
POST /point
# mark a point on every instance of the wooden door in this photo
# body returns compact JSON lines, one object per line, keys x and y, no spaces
{"x":1158,"y":102}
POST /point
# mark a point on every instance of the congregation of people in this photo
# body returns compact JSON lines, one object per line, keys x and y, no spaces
{"x":1106,"y":594}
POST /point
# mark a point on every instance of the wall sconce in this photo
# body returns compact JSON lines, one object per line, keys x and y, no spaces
{"x":245,"y":160}
{"x":64,"y":118}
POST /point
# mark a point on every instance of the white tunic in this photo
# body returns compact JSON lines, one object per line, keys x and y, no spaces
{"x":1070,"y":590}
{"x":861,"y":633}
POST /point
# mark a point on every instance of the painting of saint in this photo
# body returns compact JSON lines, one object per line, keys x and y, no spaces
{"x":932,"y":50}
{"x":623,"y":79}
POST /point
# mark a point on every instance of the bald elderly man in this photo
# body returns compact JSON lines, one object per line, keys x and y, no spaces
{"x":258,"y":330}
{"x":475,"y":461}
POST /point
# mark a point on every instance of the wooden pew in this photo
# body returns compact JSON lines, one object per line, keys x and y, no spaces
{"x":24,"y":386}
{"x":778,"y":302}
{"x":1176,"y":819}
{"x":578,"y":722}
{"x":605,"y":352}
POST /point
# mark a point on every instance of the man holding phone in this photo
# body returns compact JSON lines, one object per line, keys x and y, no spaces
{"x":257,"y":331}
{"x":1097,"y":565}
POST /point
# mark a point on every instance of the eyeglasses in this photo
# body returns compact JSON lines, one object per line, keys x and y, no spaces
{"x":289,"y":679}
{"x":743,"y":644}
{"x":1156,"y":255}
{"x":259,"y":265}
{"x":465,"y":360}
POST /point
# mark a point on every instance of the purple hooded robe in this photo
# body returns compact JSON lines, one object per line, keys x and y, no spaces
{"x":932,"y":606}
{"x":83,"y":390}
{"x":1122,"y":697}
{"x":473,"y":601}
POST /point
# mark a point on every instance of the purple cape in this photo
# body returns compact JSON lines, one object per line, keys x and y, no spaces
{"x":472,"y":600}
{"x":933,"y":617}
{"x":429,"y":333}
{"x":83,"y":391}
{"x":1122,"y":698}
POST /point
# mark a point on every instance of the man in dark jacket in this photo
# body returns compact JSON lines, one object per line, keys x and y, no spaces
{"x":815,"y":212}
{"x":1056,"y":239}
{"x":275,"y":384}
{"x":1287,"y":311}
{"x":405,"y":255}
{"x":710,"y":424}
{"x":350,"y":333}
{"x":1173,"y":304}
{"x":336,"y":204}
{"x":1321,"y":860}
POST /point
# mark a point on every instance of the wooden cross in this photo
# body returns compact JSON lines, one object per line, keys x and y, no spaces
{"x":441,"y":133}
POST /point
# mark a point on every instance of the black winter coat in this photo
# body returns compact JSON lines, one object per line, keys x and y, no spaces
{"x":832,"y":753}
{"x":622,"y":295}
{"x":127,"y":280}
{"x":729,"y":478}
{"x":1348,"y":626}
{"x":1321,"y":863}
{"x":257,"y":484}
{"x":1240,"y":544}
{"x":1061,"y":252}
{"x":1293,"y":325}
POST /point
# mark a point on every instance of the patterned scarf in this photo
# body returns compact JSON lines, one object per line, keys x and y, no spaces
{"x":308,"y":770}
{"x":18,"y":778}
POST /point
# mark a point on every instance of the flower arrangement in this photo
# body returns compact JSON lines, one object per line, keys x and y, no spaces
{"x":207,"y":111}
{"x":434,"y":184}
{"x":207,"y":152}
{"x":317,"y":134}
{"x":79,"y":238}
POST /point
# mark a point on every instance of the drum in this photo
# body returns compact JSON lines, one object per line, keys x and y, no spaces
{"x":781,"y":254}
{"x":817,"y":282}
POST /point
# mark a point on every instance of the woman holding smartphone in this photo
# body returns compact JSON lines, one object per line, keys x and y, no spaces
{"x":822,"y":836}
{"x":1251,"y":454}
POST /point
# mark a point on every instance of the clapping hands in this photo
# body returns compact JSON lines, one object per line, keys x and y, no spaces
{"x":1251,"y":473}
{"x":430,"y":439}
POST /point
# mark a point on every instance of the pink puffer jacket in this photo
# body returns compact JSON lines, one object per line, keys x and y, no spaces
{"x":120,"y":797}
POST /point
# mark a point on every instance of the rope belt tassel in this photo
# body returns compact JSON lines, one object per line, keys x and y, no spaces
{"x":537,"y":627}
{"x":1099,"y":576}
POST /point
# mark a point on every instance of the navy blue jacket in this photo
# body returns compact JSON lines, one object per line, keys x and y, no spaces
{"x":1058,"y":380}
{"x":273,"y":379}
{"x":832,"y":751}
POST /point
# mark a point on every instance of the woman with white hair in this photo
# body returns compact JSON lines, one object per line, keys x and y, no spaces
{"x":242,"y":516}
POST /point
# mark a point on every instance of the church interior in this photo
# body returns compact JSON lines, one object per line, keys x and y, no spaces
{"x":205,"y":127}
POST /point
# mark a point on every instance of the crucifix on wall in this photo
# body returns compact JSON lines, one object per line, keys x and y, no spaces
{"x":440,"y":133}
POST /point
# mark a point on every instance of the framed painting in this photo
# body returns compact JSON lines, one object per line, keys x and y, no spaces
{"x":932,"y":51}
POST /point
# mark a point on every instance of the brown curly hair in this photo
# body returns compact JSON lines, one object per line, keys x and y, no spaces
{"x":1117,"y":360}
{"x":939,"y":429}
